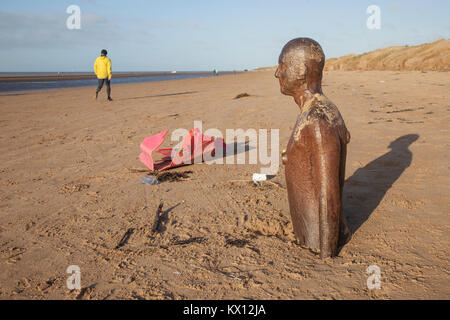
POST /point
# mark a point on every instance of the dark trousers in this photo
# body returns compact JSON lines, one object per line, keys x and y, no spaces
{"x":108,"y":86}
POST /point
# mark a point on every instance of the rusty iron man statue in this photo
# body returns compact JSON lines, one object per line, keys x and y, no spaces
{"x":315,"y":155}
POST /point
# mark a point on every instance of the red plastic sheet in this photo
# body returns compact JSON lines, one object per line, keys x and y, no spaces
{"x":195,"y":147}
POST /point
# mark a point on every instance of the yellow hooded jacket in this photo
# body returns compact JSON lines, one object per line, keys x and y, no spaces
{"x":102,"y":67}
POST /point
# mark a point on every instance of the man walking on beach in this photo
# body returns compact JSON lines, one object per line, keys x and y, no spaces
{"x":102,"y":69}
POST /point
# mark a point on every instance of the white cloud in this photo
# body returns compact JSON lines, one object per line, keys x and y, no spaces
{"x":26,"y":30}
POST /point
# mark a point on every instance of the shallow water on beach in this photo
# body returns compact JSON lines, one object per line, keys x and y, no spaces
{"x":59,"y":84}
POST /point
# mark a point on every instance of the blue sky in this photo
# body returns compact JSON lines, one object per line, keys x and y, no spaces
{"x":145,"y":35}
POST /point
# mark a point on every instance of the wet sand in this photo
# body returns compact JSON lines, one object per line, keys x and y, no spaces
{"x":68,"y":193}
{"x":86,"y":76}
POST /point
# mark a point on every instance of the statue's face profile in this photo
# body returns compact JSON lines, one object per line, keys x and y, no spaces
{"x":300,"y":66}
{"x":291,"y":72}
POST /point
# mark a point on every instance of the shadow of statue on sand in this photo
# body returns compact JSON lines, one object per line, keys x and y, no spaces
{"x":365,"y":189}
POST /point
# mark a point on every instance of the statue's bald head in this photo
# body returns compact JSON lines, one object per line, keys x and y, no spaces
{"x":300,"y":65}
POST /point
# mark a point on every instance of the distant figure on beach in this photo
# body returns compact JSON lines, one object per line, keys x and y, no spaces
{"x":316,"y":152}
{"x":102,"y":69}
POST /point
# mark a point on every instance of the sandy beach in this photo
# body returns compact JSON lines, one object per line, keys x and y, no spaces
{"x":70,"y":190}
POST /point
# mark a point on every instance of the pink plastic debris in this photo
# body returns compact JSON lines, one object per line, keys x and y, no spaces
{"x":195,"y":145}
{"x":148,"y":146}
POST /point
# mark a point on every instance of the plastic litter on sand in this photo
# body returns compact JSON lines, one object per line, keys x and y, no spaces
{"x":149,"y":180}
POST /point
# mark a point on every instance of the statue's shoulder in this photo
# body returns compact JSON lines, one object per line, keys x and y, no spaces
{"x":321,"y":108}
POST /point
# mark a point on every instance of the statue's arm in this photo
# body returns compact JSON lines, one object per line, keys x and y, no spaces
{"x":285,"y":152}
{"x":327,"y":158}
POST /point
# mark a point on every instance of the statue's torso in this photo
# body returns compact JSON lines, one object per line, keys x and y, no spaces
{"x":302,"y":176}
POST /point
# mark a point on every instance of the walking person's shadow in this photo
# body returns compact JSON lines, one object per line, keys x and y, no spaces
{"x":365,"y":189}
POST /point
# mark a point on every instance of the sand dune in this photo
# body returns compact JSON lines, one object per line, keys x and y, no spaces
{"x":433,"y":56}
